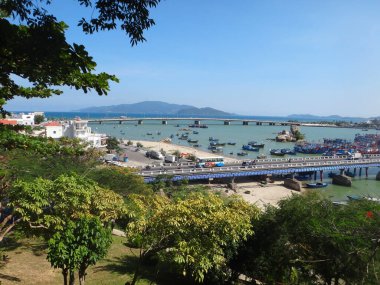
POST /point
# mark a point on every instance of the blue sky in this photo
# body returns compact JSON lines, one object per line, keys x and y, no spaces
{"x":248,"y":57}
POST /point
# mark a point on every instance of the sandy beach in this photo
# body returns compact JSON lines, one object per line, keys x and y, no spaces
{"x":170,"y":148}
{"x":258,"y":194}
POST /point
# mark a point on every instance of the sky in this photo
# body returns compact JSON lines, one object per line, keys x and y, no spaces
{"x":248,"y":57}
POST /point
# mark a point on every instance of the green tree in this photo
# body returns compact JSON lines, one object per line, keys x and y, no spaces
{"x":38,"y":119}
{"x":44,"y":206}
{"x":309,"y":240}
{"x":123,"y":181}
{"x":79,"y":245}
{"x":113,"y":144}
{"x":192,"y":232}
{"x":33,"y":45}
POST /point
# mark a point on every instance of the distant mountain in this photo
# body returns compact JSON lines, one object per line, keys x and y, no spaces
{"x":156,"y":108}
{"x":328,"y":118}
{"x":203,"y":111}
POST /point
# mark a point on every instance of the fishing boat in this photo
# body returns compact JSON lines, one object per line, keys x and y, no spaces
{"x":216,"y":143}
{"x":183,"y":137}
{"x":276,"y":152}
{"x":256,"y":144}
{"x":250,"y":148}
{"x":195,"y":132}
{"x":316,"y":185}
{"x":196,"y":145}
{"x":261,"y":156}
{"x":231,"y":143}
{"x":216,"y":149}
{"x":242,"y":153}
{"x":149,"y":134}
{"x":288,"y":151}
{"x":192,"y":141}
{"x":212,"y":139}
{"x":360,"y":198}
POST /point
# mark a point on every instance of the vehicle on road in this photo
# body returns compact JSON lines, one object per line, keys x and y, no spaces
{"x":209,"y":162}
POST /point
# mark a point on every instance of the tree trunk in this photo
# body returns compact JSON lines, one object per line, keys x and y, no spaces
{"x":72,"y":277}
{"x":137,"y":272}
{"x":82,"y":274}
{"x":64,"y":273}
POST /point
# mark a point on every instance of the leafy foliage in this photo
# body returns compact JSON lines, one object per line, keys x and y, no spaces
{"x":307,"y":239}
{"x":121,"y":180}
{"x":80,"y":244}
{"x":192,"y":232}
{"x":37,"y":50}
{"x":48,"y":205}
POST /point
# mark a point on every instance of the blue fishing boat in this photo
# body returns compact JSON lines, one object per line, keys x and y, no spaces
{"x":250,"y":148}
{"x":256,"y":144}
{"x":276,"y":152}
{"x":316,"y":185}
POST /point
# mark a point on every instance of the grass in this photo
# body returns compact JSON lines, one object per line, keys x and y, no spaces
{"x":26,"y":264}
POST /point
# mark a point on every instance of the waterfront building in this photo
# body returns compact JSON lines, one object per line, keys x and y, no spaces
{"x":53,"y":130}
{"x":75,"y":129}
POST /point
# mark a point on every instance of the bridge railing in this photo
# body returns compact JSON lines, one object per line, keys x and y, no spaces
{"x":289,"y":166}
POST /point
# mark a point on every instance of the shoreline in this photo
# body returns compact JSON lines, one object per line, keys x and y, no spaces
{"x":170,"y":148}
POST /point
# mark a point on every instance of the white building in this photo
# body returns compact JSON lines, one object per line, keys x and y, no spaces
{"x":79,"y":129}
{"x":53,"y":130}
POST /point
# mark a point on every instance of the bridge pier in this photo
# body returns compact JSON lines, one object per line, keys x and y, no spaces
{"x":259,"y":123}
{"x":245,"y":123}
{"x":164,"y":122}
{"x":100,"y":122}
{"x":354,"y":172}
{"x":197,"y":122}
{"x":360,"y":172}
{"x":341,"y":171}
{"x":321,"y":175}
{"x":140,"y":122}
{"x":272,"y":124}
{"x":315,"y":175}
{"x":227,"y":123}
{"x":366,"y":172}
{"x":120,"y":122}
{"x":378,"y":176}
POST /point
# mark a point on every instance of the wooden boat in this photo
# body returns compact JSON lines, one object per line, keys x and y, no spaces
{"x":231,"y":143}
{"x":316,"y":185}
{"x":276,"y":152}
{"x":192,"y":141}
{"x":256,"y":144}
{"x":250,"y":148}
{"x":195,"y":132}
{"x":261,"y":156}
{"x":242,"y":153}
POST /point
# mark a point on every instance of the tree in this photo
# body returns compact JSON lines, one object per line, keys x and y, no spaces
{"x":122,"y":180}
{"x":38,"y":119}
{"x":308,"y":239}
{"x":113,"y":144}
{"x":44,"y":206}
{"x":193,"y":232}
{"x":36,"y":49}
{"x":80,"y":244}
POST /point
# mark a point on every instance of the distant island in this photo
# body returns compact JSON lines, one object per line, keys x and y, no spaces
{"x":156,"y":108}
{"x":327,"y":118}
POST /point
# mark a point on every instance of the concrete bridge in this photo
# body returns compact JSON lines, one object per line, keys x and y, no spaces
{"x":196,"y":121}
{"x":266,"y":167}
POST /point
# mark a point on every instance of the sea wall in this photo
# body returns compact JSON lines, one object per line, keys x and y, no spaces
{"x":342,"y":180}
{"x":378,"y":176}
{"x":293,"y":184}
